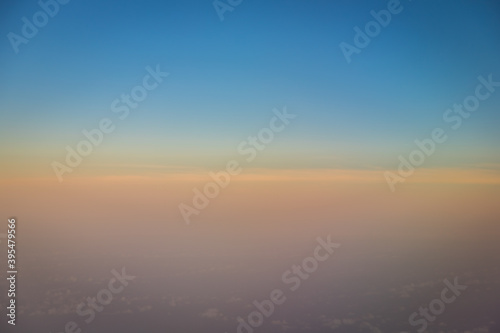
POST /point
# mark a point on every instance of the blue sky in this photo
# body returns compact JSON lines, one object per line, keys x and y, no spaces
{"x":225,"y":77}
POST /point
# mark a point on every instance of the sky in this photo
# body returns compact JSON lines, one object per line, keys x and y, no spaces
{"x":338,"y":159}
{"x":351,"y":124}
{"x":226,"y":77}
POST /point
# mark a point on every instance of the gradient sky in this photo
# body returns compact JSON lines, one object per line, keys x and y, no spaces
{"x":226,"y":77}
{"x":322,"y":175}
